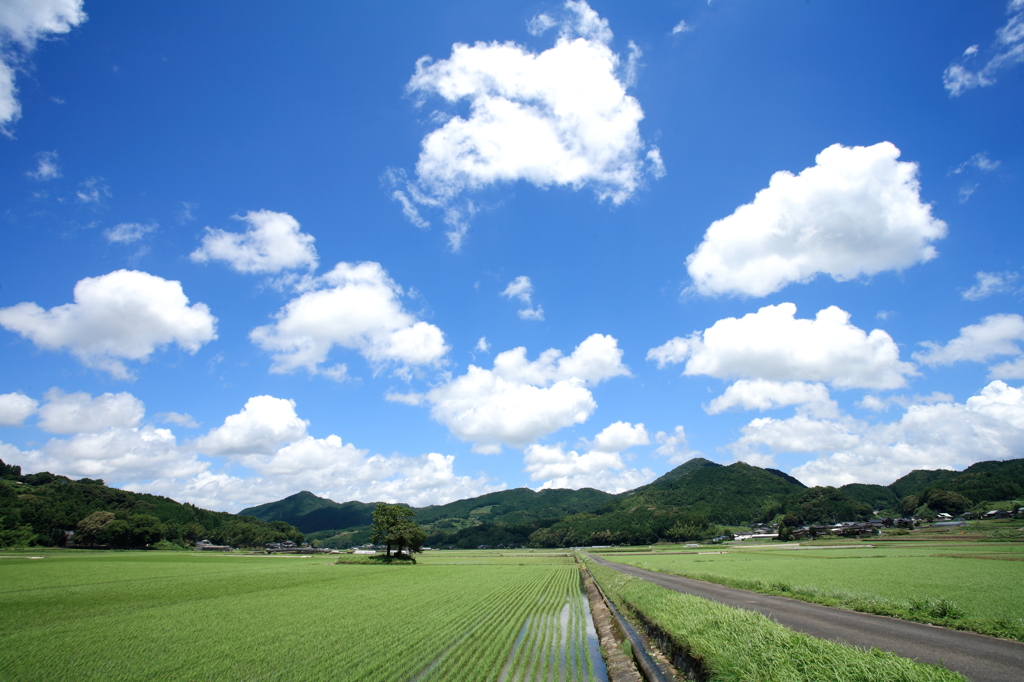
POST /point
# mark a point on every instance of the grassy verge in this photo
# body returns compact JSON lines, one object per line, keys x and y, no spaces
{"x":734,"y":645}
{"x":933,"y":611}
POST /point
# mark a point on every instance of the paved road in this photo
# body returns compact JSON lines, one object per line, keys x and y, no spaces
{"x":979,"y":658}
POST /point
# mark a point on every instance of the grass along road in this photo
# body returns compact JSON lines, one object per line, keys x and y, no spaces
{"x":978,"y":658}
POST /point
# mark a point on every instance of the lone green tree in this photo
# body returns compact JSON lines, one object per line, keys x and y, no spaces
{"x":393,"y":527}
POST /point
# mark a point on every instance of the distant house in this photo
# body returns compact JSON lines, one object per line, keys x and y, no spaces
{"x":997,"y":514}
{"x":207,"y":546}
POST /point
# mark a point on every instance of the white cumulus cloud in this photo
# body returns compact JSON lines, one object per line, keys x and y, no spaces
{"x":263,"y":425}
{"x":773,"y":344}
{"x":602,"y":467}
{"x":354,"y":306}
{"x":81,"y":413}
{"x":759,"y":394}
{"x":994,"y":336}
{"x":559,"y":117}
{"x":857,"y":212}
{"x":115,"y":454}
{"x":673,"y":446}
{"x":520,"y":400}
{"x":123,"y":315}
{"x":22,"y":24}
{"x":620,"y":436}
{"x":15,"y":408}
{"x":931,"y":435}
{"x":273,"y":242}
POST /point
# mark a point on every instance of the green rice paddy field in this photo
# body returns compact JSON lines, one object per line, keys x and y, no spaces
{"x":967,"y":585}
{"x":185,"y":616}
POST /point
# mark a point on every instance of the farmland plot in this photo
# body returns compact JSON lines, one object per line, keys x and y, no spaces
{"x":134,"y":616}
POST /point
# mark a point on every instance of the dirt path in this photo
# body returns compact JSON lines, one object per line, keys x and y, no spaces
{"x":979,"y":658}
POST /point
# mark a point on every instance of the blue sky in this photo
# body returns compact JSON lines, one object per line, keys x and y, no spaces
{"x":419,"y":252}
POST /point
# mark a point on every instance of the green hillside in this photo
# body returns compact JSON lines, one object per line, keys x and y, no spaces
{"x":311,"y":514}
{"x":35,"y":510}
{"x":684,"y":504}
{"x":874,"y":496}
{"x":503,"y":517}
{"x":981,"y":482}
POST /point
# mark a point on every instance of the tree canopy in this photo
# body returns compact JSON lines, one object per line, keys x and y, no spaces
{"x":393,"y":527}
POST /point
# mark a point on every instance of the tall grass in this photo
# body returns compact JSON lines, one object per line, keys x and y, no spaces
{"x":735,"y":645}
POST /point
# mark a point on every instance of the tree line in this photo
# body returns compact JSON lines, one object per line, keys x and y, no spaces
{"x":49,"y":510}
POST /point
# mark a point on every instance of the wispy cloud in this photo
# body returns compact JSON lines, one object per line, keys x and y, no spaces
{"x":1007,"y":51}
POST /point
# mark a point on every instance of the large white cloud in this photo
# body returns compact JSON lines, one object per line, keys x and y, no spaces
{"x":273,"y":242}
{"x":22,"y":24}
{"x":1007,"y":50}
{"x":520,"y":400}
{"x":773,"y":344}
{"x":331,"y":469}
{"x":994,"y":336}
{"x":561,"y":117}
{"x":355,"y":306}
{"x":858,"y":211}
{"x":621,"y":436}
{"x":943,"y":435}
{"x":267,"y":446}
{"x":15,"y":408}
{"x":115,"y":454}
{"x":80,"y":412}
{"x":602,"y":467}
{"x":263,"y":425}
{"x":759,"y":394}
{"x":125,"y":314}
{"x":270,"y":440}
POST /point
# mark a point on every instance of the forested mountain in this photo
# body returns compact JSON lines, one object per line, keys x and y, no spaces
{"x":954,"y":492}
{"x":39,"y":508}
{"x":521,"y":508}
{"x":874,"y":496}
{"x":684,"y":504}
{"x":693,"y":501}
{"x":310,"y":513}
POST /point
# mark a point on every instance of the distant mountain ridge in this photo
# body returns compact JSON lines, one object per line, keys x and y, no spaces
{"x":311,"y":514}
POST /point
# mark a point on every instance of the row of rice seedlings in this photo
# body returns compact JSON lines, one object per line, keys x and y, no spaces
{"x":735,"y":644}
{"x":521,"y":611}
{"x":479,"y":654}
{"x":460,"y":617}
{"x":526,"y":662}
{"x":554,"y":644}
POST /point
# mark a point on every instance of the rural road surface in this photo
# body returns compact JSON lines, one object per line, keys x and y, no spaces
{"x":977,"y":657}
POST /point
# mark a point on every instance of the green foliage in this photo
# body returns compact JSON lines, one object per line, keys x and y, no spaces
{"x":981,"y":481}
{"x":946,"y":501}
{"x":817,"y":505}
{"x":9,"y":470}
{"x":873,"y":496}
{"x":37,"y":508}
{"x":393,"y":527}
